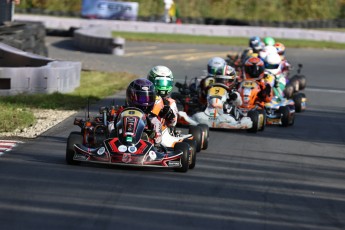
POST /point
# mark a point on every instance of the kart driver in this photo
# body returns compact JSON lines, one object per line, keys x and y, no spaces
{"x":141,"y":94}
{"x":227,"y":76}
{"x":254,"y":69}
{"x":165,"y":107}
{"x":213,"y":65}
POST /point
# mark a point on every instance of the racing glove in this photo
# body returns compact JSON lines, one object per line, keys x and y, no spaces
{"x":232,"y":96}
{"x":167,"y":113}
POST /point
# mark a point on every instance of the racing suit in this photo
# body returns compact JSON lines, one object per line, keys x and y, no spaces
{"x":166,"y":109}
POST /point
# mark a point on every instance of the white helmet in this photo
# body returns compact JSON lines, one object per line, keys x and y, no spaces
{"x":273,"y":63}
{"x":266,"y":51}
{"x":215,"y":64}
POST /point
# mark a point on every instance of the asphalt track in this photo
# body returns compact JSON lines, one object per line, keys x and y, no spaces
{"x":282,"y":178}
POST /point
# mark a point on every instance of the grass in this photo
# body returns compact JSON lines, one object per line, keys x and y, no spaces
{"x":16,"y":110}
{"x":228,"y":41}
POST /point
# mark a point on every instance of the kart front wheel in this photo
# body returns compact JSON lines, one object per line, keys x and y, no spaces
{"x":298,"y":99}
{"x":262,"y":120}
{"x":184,"y":148}
{"x":285,"y":116}
{"x":205,"y":135}
{"x":73,"y":138}
{"x":197,"y":136}
{"x":192,"y":157}
{"x":254,"y":116}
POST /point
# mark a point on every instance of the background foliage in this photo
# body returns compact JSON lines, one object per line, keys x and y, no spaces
{"x":268,"y":10}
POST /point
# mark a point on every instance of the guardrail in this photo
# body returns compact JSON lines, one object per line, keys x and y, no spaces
{"x":61,"y":23}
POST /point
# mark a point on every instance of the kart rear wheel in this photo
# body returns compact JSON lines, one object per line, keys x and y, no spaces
{"x":192,"y":156}
{"x":205,"y":135}
{"x":302,"y":81}
{"x":73,"y":138}
{"x":285,"y":115}
{"x":197,"y":136}
{"x":294,"y":82}
{"x":254,"y":116}
{"x":184,"y":147}
{"x":262,"y":120}
{"x":298,"y":99}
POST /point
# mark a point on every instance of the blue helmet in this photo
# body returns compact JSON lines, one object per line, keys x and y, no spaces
{"x":256,"y":44}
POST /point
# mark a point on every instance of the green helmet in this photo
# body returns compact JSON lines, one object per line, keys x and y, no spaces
{"x":269,"y":41}
{"x":163,"y":80}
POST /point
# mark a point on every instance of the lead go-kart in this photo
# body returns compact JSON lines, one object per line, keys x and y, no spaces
{"x":128,"y":144}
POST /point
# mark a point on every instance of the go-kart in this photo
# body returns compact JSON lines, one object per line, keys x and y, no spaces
{"x":279,"y":111}
{"x":214,"y":115}
{"x":128,"y":145}
{"x":293,"y":87}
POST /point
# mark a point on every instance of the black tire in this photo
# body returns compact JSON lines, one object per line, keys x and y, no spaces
{"x":302,"y":81}
{"x":205,"y":135}
{"x":294,"y":82}
{"x":285,"y":116}
{"x":184,"y":147}
{"x":197,"y":136}
{"x":254,"y":116}
{"x":73,"y":138}
{"x":261,"y":127}
{"x":298,"y":99}
{"x":192,"y":157}
{"x":288,"y":91}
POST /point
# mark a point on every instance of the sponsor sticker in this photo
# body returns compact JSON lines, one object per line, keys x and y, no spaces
{"x":122,"y":148}
{"x":101,"y":151}
{"x":126,"y":157}
{"x":129,"y":139}
{"x":174,"y":163}
{"x":132,"y":149}
{"x":152,"y":155}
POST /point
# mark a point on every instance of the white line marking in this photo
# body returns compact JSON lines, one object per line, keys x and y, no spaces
{"x":324,"y":90}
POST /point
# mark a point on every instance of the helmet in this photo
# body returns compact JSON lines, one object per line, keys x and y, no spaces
{"x":280,"y":48}
{"x":254,"y":69}
{"x":255,"y":43}
{"x":272,"y":63}
{"x":162,"y":78}
{"x":269,"y":41}
{"x":266,"y":51}
{"x":214,"y":64}
{"x":141,"y":94}
{"x":226,"y":76}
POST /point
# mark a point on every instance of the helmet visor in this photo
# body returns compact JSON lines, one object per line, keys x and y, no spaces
{"x":163,"y":83}
{"x":271,"y":66}
{"x":144,"y":98}
{"x":254,"y":71}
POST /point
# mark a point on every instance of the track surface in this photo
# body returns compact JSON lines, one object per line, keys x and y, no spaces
{"x":282,"y":178}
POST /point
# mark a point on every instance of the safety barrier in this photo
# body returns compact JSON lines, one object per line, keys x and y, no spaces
{"x":23,"y":72}
{"x":98,"y":39}
{"x":192,"y":29}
